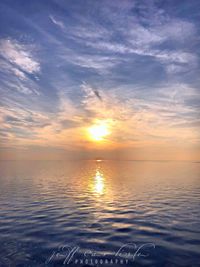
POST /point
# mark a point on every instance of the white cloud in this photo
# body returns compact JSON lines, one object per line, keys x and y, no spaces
{"x":174,"y":68}
{"x":18,"y":61}
{"x":145,"y":117}
{"x":57,"y":22}
{"x":101,"y":64}
{"x":19,"y":73}
{"x":20,"y":56}
{"x":173,"y":30}
{"x":161,"y":117}
{"x":135,"y":38}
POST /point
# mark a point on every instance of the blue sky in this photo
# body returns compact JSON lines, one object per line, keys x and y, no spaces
{"x":66,"y":64}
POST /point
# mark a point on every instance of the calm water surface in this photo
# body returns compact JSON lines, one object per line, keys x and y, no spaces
{"x":109,"y":213}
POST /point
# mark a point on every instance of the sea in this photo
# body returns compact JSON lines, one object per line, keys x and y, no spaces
{"x":99,"y":213}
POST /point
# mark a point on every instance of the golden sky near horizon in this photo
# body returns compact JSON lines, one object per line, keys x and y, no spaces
{"x":105,"y":128}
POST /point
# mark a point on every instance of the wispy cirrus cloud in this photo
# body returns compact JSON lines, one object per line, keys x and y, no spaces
{"x":17,"y":63}
{"x":176,"y":59}
{"x":158,"y":117}
{"x":19,"y":55}
{"x":57,"y":22}
{"x":149,"y":39}
{"x":138,"y":120}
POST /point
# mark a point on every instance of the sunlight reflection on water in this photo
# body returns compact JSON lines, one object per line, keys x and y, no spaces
{"x":99,"y":205}
{"x":98,"y":186}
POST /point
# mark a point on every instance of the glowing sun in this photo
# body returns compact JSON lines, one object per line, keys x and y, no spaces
{"x":99,"y":131}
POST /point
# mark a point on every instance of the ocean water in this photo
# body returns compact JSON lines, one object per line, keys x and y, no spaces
{"x":99,"y":213}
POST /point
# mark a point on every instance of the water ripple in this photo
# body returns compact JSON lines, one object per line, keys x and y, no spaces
{"x":48,"y":208}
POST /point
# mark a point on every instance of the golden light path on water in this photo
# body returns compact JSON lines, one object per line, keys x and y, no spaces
{"x":99,"y":183}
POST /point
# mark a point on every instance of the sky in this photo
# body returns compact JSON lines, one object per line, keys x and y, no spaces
{"x":69,"y":66}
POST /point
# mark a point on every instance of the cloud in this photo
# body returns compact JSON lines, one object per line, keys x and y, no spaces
{"x":173,"y":30}
{"x":23,"y":118}
{"x":135,"y":118}
{"x":57,"y":22}
{"x":179,"y":59}
{"x":18,"y":73}
{"x":127,"y":45}
{"x":90,"y":92}
{"x":101,"y":64}
{"x":17,"y":64}
{"x":126,"y":34}
{"x":19,"y":55}
{"x":142,"y":117}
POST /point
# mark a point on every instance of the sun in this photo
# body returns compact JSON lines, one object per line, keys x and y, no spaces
{"x":99,"y":131}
